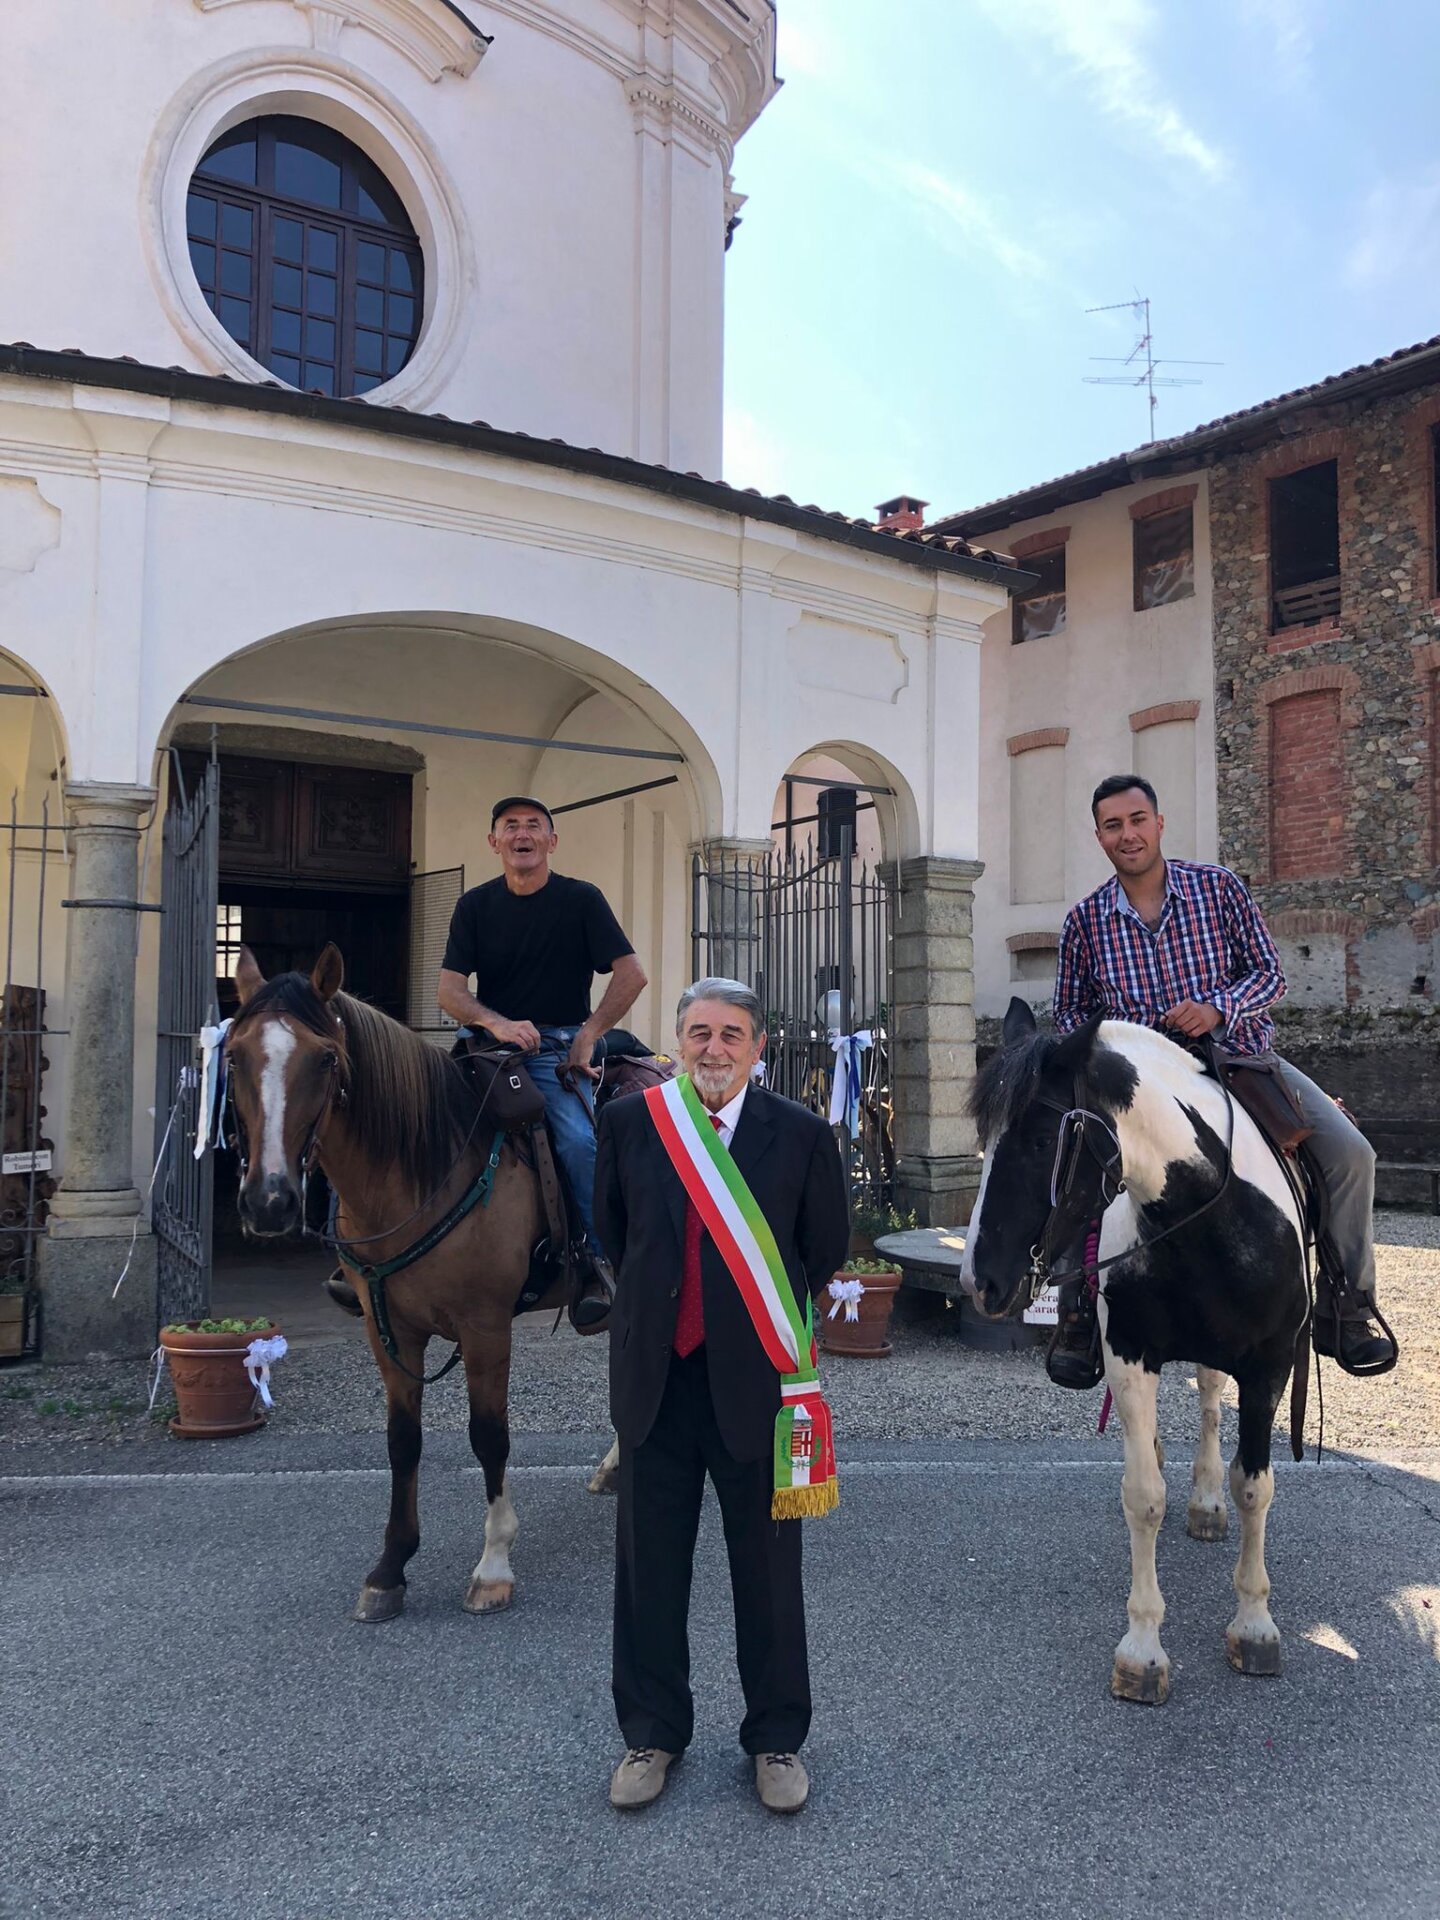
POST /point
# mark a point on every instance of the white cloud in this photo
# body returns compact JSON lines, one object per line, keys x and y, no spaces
{"x":960,"y":218}
{"x":1104,"y":42}
{"x":1287,"y":29}
{"x":1399,"y":233}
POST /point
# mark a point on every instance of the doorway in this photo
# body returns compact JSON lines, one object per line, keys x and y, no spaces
{"x":308,"y":852}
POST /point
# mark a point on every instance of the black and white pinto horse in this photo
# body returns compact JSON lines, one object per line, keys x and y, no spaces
{"x":1200,"y":1258}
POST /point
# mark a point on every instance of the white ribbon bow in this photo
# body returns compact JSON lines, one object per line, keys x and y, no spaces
{"x":845,"y":1087}
{"x":847,"y":1294}
{"x":211,"y":1116}
{"x":259,"y":1356}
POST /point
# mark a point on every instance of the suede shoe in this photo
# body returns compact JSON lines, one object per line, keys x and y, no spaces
{"x":640,"y":1777}
{"x":781,"y":1782}
{"x":1354,"y":1335}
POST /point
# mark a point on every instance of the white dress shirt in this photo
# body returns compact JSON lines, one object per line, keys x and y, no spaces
{"x":729,"y":1116}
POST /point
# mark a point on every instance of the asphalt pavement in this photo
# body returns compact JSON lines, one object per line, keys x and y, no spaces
{"x":193,"y":1727}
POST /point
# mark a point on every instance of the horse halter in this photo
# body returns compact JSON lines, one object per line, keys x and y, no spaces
{"x":1073,"y":1143}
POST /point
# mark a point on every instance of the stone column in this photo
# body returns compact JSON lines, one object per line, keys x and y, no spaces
{"x":93,"y":1215}
{"x":732,"y":883}
{"x":937,"y":1165}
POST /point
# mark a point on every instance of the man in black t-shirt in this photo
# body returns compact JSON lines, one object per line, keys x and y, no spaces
{"x":534,"y":940}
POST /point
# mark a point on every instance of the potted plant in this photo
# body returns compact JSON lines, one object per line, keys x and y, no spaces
{"x":856,"y":1309}
{"x":870,"y":1222}
{"x":220,"y":1369}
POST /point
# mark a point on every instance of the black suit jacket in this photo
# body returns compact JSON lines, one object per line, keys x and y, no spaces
{"x":792,"y":1166}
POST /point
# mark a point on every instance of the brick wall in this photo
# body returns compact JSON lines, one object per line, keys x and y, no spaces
{"x":1328,"y":767}
{"x":1307,"y":777}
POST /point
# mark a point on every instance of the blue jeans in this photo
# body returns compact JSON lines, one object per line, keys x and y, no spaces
{"x":572,"y":1130}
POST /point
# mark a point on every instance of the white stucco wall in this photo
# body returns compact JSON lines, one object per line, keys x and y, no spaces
{"x":1036,"y":835}
{"x":194,"y":549}
{"x":569,"y":188}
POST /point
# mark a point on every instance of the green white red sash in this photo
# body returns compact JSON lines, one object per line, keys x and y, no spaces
{"x":805,"y":1481}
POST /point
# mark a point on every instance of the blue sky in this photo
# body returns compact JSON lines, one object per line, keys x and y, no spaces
{"x":942,"y":187}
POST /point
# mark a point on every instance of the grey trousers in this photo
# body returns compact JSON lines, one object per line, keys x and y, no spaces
{"x":1347,"y":1160}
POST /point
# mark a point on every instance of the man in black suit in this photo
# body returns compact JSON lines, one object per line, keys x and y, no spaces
{"x":692,"y":1392}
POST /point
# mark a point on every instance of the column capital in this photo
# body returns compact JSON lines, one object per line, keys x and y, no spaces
{"x":932,"y":870}
{"x":733,"y":848}
{"x":107,"y":803}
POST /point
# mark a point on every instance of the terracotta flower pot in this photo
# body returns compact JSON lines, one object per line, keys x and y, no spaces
{"x":868,"y":1337}
{"x":212,"y":1389}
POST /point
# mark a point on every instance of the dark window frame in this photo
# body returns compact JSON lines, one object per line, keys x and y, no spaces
{"x":1049,"y":564}
{"x":1148,"y":529}
{"x":305,"y":307}
{"x":1305,"y":581}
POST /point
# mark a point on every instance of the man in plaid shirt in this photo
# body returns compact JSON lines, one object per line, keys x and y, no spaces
{"x":1182,"y":947}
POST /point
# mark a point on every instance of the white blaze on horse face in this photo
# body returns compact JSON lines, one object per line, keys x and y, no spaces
{"x":279,"y":1041}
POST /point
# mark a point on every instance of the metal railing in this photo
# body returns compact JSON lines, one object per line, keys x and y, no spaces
{"x":812,"y":935}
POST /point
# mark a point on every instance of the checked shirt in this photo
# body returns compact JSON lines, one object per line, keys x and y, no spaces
{"x":1211,"y":945}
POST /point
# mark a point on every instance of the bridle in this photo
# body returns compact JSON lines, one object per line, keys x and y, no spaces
{"x":1065,"y":1220}
{"x":337,"y":1094}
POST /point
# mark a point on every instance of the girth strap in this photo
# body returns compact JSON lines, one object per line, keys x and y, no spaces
{"x":375,"y":1273}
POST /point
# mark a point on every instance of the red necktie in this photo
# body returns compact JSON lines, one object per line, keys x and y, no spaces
{"x":690,"y":1314}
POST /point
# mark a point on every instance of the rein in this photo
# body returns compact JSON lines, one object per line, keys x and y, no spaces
{"x":1068,"y":1150}
{"x":376,"y":1273}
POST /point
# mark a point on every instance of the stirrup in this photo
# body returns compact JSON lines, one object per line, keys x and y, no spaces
{"x":343,"y":1293}
{"x":1075,"y":1366}
{"x":593,"y":1294}
{"x":1327,"y":1334}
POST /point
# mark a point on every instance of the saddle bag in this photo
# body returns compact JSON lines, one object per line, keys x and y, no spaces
{"x":632,"y":1073}
{"x":1254,"y":1083}
{"x":502,"y":1082}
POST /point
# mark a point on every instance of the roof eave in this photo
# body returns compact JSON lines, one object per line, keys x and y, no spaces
{"x":218,"y":390}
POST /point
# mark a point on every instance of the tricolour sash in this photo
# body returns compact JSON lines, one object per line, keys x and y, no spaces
{"x":805,"y":1482}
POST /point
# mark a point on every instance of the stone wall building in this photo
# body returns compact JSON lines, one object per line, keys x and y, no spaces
{"x":1312,"y":647}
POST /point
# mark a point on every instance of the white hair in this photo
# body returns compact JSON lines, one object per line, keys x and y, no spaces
{"x":734,"y":993}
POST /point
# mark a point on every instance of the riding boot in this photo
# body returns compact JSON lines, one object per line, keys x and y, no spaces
{"x":593,"y":1290}
{"x":1073,"y":1358}
{"x":1348,"y":1329}
{"x":343,"y":1294}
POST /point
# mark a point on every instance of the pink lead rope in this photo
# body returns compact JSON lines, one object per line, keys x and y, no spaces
{"x":1092,"y":1280}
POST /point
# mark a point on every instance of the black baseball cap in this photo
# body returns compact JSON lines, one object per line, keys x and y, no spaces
{"x":519,"y":800}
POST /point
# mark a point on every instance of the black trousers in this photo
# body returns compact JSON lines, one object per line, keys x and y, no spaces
{"x":662,"y":1483}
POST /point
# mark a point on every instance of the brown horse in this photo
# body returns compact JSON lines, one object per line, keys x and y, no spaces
{"x":322,"y":1079}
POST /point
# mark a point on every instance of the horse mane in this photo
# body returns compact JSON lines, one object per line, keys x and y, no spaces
{"x":1008,"y":1084}
{"x":409,"y":1106}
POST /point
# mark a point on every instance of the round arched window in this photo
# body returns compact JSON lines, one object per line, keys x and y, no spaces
{"x":305,"y":254}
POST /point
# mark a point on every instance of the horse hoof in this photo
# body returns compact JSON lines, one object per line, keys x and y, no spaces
{"x":489,"y":1596}
{"x":1149,"y":1685}
{"x":1261,"y":1657}
{"x":1207,"y":1523}
{"x":379,"y":1603}
{"x":605,"y":1480}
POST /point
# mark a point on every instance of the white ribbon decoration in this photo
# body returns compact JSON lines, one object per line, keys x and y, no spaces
{"x":845,"y":1086}
{"x":260,"y":1355}
{"x":157,"y":1360}
{"x":212,"y":1052}
{"x":847,"y":1294}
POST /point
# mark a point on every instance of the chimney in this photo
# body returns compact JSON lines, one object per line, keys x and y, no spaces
{"x":904,"y":514}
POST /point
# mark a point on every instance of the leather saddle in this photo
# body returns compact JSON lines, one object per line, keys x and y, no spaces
{"x":512,"y":1100}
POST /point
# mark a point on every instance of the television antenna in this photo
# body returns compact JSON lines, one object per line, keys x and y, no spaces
{"x":1141,"y":360}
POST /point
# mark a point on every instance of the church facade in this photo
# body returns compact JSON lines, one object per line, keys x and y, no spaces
{"x":359,"y":432}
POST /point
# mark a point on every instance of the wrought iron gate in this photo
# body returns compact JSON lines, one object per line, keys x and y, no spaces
{"x":797,"y":926}
{"x":181,"y":1208}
